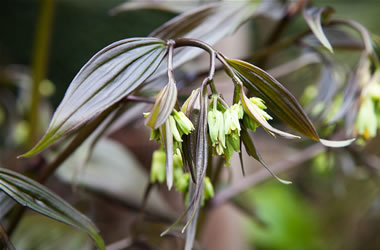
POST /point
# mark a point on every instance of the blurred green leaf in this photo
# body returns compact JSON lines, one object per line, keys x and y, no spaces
{"x":105,"y":79}
{"x":289,"y":222}
{"x":313,"y":17}
{"x":33,"y":195}
{"x":48,"y":234}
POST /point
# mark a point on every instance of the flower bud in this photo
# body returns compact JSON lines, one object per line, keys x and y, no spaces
{"x":174,"y":130}
{"x":184,"y":123}
{"x":189,"y":103}
{"x":260,"y":104}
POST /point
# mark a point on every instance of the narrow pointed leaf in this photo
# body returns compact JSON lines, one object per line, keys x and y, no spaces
{"x":112,"y":74}
{"x":201,"y":158}
{"x":251,"y":151}
{"x":276,"y":97}
{"x":337,"y":144}
{"x":192,"y":229}
{"x":33,"y":195}
{"x":313,"y":17}
{"x":191,"y":110}
{"x":167,"y":136}
{"x":164,"y":105}
{"x":278,"y":100}
{"x":167,"y":6}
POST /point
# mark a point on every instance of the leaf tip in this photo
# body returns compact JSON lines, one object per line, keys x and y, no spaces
{"x":337,"y":144}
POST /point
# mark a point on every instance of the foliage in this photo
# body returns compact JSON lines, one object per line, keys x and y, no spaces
{"x":195,"y":131}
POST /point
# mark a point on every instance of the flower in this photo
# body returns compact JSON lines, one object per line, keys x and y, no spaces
{"x":157,"y":171}
{"x":184,"y":124}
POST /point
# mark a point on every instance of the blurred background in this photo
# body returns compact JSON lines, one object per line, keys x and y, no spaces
{"x":334,"y":200}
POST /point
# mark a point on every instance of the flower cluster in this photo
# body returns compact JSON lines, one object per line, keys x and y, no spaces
{"x":181,"y":179}
{"x":179,"y":125}
{"x":224,"y":124}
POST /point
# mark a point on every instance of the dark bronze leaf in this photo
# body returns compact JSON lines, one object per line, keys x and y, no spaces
{"x":278,"y":100}
{"x":33,"y":195}
{"x":110,"y":75}
{"x":313,"y":17}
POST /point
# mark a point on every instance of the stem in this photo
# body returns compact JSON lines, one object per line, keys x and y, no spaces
{"x":181,"y":42}
{"x":40,"y":63}
{"x":359,"y":28}
{"x":170,"y":60}
{"x":366,"y":38}
{"x":262,"y":174}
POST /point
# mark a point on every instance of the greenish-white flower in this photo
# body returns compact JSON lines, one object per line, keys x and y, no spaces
{"x":367,"y":122}
{"x":158,"y":171}
{"x":216,"y":129}
{"x":184,"y":124}
{"x":182,"y":183}
{"x":231,"y":119}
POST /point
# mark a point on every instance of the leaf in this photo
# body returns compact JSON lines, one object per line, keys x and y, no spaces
{"x":201,"y":159}
{"x":33,"y":195}
{"x":209,"y":23}
{"x":251,"y":151}
{"x":167,"y":137}
{"x":279,"y":100}
{"x":313,"y":17}
{"x":164,"y":105}
{"x":192,"y":228}
{"x":110,"y":75}
{"x":276,"y":97}
{"x":191,"y":110}
{"x":48,"y":234}
{"x":167,"y":6}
